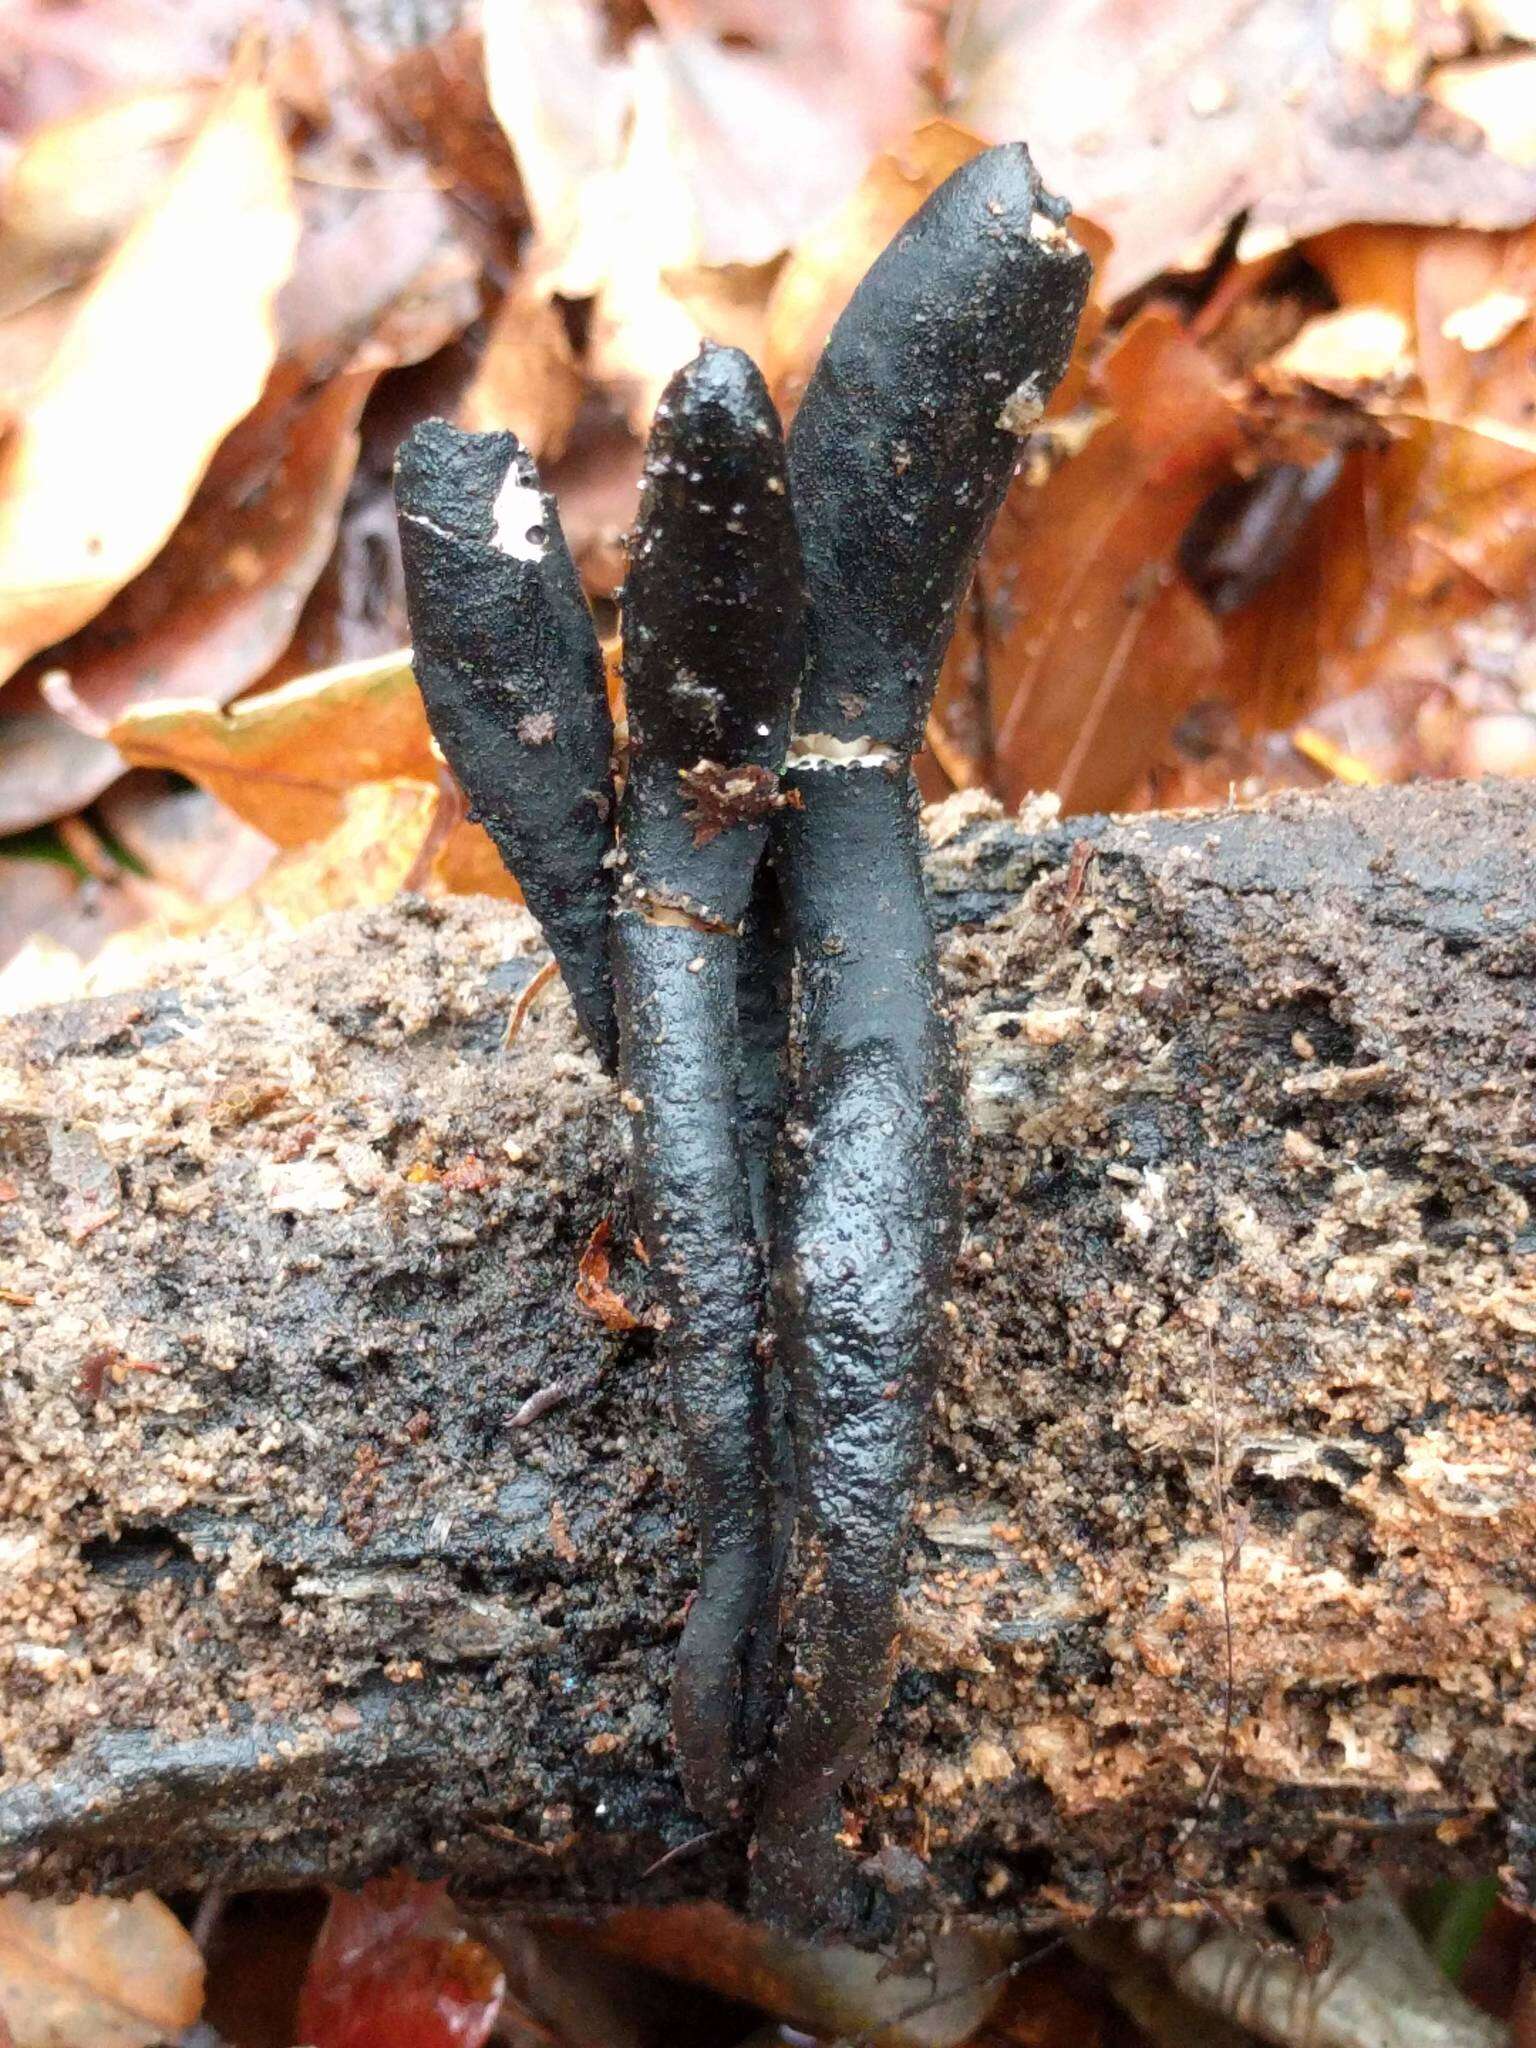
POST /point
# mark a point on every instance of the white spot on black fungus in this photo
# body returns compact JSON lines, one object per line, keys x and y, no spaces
{"x":814,"y":750}
{"x":517,"y":519}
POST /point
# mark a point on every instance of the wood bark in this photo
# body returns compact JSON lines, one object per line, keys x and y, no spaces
{"x":336,"y":1531}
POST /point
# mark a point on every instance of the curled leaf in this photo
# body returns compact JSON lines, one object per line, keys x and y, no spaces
{"x":592,"y":1289}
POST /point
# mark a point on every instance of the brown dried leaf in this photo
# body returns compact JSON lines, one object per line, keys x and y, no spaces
{"x":285,"y":759}
{"x":110,"y":444}
{"x":469,"y":865}
{"x":1453,"y":525}
{"x":49,"y":899}
{"x":828,"y":262}
{"x":679,"y":151}
{"x":1094,"y":644}
{"x":528,"y":379}
{"x":592,"y":1289}
{"x":79,"y":184}
{"x":1498,"y":96}
{"x":184,"y":837}
{"x":384,"y":275}
{"x":366,"y":859}
{"x":1396,"y":628}
{"x":1177,"y":124}
{"x":1357,"y":352}
{"x":60,"y":59}
{"x":376,"y":849}
{"x":98,"y":1973}
{"x":709,"y":150}
{"x":597,"y":482}
{"x":211,"y":612}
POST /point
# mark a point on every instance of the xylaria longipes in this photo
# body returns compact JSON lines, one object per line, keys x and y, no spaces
{"x":784,"y":623}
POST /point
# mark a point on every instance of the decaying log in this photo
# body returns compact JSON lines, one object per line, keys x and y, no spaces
{"x":338,"y":1532}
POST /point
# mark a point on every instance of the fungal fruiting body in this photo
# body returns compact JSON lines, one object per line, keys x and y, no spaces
{"x":512,"y":676}
{"x":825,"y":1148}
{"x":712,"y":653}
{"x":898,"y":465}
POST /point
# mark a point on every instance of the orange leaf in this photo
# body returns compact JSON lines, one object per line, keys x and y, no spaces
{"x":393,"y":1965}
{"x":170,"y":346}
{"x":527,"y":379}
{"x":284,"y":759}
{"x":819,"y":278}
{"x":212,"y":611}
{"x":1094,"y":644}
{"x":97,"y":1973}
{"x":592,"y":1289}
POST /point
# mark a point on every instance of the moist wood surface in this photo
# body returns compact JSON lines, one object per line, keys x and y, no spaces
{"x":1243,"y":1343}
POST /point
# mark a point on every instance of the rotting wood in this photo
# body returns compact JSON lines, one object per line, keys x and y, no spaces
{"x":292,"y":1243}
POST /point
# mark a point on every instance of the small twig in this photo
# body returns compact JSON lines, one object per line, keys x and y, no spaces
{"x":531,"y":991}
{"x":681,"y":1851}
{"x":210,"y":1911}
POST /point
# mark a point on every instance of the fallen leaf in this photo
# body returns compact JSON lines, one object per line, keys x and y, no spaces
{"x":469,"y":865}
{"x":1455,"y":528}
{"x":371,"y":854}
{"x":184,"y":837}
{"x":384,"y":274}
{"x":1495,"y":19}
{"x":651,"y":158}
{"x":61,"y":59}
{"x":1094,"y":644}
{"x":827,"y":263}
{"x":720,"y":151}
{"x":111,"y":443}
{"x":562,"y":97}
{"x":1175,"y":125}
{"x":1487,"y":321}
{"x":284,"y":760}
{"x":97,"y":1973}
{"x":212,"y":611}
{"x":1396,"y":41}
{"x":597,"y":482}
{"x":528,"y":378}
{"x":1335,"y":763}
{"x":1395,"y":624}
{"x":51,"y":898}
{"x":433,"y":97}
{"x":394,"y":1964}
{"x":592,"y":1289}
{"x":79,"y":183}
{"x":1357,"y":351}
{"x":367,"y":858}
{"x":833,"y":1991}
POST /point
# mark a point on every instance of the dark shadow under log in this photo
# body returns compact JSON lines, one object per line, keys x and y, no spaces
{"x":1241,"y":1382}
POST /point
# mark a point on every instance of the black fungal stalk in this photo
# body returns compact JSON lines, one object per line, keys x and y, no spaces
{"x":899,"y":459}
{"x":509,"y":666}
{"x":825,"y":1149}
{"x":712,"y":653}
